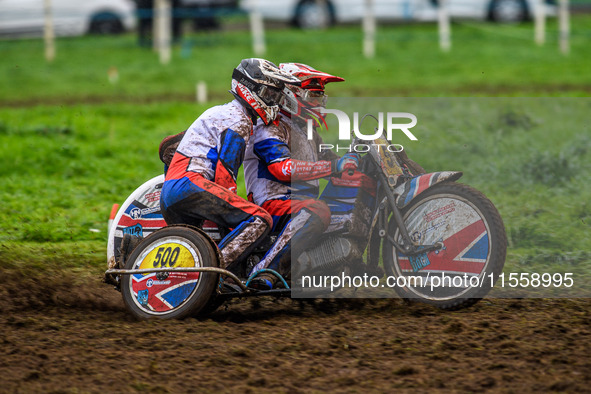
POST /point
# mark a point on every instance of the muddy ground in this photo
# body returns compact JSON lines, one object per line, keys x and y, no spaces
{"x":61,"y":338}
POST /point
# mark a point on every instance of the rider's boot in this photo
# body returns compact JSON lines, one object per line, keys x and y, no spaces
{"x":299,"y":231}
{"x":263,"y":281}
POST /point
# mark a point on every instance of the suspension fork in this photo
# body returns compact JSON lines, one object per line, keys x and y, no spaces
{"x":407,"y":246}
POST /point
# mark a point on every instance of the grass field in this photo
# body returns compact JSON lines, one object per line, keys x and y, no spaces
{"x":73,"y":143}
{"x":486,"y":60}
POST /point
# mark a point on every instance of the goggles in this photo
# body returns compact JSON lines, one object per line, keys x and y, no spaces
{"x":315,"y":98}
{"x":270,"y":95}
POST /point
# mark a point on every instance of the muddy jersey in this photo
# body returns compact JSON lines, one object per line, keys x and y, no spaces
{"x":280,"y":162}
{"x":213,"y":146}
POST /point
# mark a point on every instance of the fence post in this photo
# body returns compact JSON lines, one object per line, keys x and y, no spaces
{"x":564,"y":26}
{"x":257,"y":29}
{"x":444,"y":26}
{"x":48,"y":32}
{"x":540,"y":22}
{"x":155,"y":25}
{"x":369,"y":30}
{"x":162,"y":29}
{"x":201,"y":92}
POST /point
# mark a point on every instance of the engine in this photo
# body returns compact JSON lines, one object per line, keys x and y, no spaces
{"x":333,"y":252}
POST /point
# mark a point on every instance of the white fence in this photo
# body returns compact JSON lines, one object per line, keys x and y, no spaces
{"x":366,"y":9}
{"x":443,"y":16}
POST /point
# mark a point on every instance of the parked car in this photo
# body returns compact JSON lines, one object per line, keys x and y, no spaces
{"x":314,"y":13}
{"x":202,"y":13}
{"x":70,"y":17}
{"x":205,"y":13}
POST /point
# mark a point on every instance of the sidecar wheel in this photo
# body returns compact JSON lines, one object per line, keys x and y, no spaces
{"x":170,"y":295}
{"x":473,"y":254}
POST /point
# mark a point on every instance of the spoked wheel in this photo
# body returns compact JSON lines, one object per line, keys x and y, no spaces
{"x":473,"y":253}
{"x":170,"y":295}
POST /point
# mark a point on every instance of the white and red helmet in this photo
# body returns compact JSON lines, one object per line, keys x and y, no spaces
{"x":302,"y":100}
{"x":259,"y":85}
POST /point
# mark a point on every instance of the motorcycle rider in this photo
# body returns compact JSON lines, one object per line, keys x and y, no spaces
{"x":282,"y":168}
{"x":200,"y":182}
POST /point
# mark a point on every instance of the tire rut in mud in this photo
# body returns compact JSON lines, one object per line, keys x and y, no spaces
{"x":64,"y":333}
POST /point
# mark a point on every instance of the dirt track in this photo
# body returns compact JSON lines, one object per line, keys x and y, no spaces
{"x":58,"y":338}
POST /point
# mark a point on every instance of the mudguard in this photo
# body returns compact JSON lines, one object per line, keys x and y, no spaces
{"x":139,"y":215}
{"x":407,"y":191}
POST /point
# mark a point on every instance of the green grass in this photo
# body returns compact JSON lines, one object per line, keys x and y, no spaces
{"x":486,"y":60}
{"x":72,"y":144}
{"x":63,"y":167}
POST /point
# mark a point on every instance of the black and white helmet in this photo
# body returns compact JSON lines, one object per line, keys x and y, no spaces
{"x":258,"y":84}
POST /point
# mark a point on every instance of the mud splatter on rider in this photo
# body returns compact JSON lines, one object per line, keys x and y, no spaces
{"x":282,"y":168}
{"x":200,"y":182}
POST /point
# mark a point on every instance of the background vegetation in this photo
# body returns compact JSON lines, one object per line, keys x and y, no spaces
{"x":74,"y":143}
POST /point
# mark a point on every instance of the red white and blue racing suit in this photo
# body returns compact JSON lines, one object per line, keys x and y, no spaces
{"x":281,"y":169}
{"x":200,"y":183}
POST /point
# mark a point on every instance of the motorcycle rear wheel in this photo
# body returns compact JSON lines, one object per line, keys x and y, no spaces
{"x":170,"y":295}
{"x":473,"y":255}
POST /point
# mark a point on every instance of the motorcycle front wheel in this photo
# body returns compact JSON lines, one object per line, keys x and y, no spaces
{"x":172,"y":294}
{"x":472,"y":255}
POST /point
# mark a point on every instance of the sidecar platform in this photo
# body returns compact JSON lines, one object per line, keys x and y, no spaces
{"x":235,"y":290}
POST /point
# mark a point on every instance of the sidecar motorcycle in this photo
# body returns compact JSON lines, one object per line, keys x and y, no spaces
{"x":388,"y":218}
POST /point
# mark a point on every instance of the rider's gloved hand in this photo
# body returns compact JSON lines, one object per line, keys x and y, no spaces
{"x":349,"y":161}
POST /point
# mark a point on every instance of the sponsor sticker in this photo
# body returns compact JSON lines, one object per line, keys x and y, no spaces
{"x":153,"y":197}
{"x":135,"y":213}
{"x":142,"y":297}
{"x":286,"y":168}
{"x":431,"y":216}
{"x":151,"y":282}
{"x":134,"y":230}
{"x":147,"y":211}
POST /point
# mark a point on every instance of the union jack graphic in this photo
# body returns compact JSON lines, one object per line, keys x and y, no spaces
{"x":465,"y":252}
{"x":162,"y":295}
{"x":140,"y":225}
{"x":150,"y":222}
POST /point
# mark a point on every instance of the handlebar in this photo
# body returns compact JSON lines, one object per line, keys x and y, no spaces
{"x":356,"y":140}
